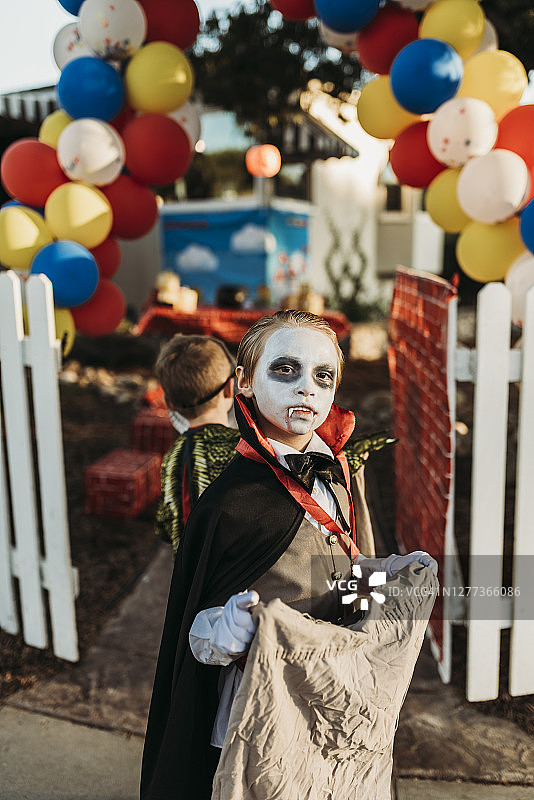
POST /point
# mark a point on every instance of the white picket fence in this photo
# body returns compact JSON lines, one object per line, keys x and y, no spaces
{"x":38,"y":585}
{"x":491,"y":367}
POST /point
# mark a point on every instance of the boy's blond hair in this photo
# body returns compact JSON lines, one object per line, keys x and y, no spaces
{"x":253,"y":342}
{"x":192,"y":370}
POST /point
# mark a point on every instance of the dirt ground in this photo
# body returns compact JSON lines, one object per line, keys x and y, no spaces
{"x":111,"y":553}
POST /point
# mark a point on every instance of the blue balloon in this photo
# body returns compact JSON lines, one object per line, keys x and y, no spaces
{"x":90,"y":87}
{"x":346,"y":16}
{"x":72,"y":6}
{"x":526,"y":226}
{"x":425,"y":74}
{"x":72,"y":270}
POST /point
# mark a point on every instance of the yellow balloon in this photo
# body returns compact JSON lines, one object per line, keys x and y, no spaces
{"x":486,"y":252}
{"x":64,"y":324}
{"x":65,"y":329}
{"x":52,"y":127}
{"x":80,"y":213}
{"x":158,"y":78}
{"x":379,"y":114}
{"x":442,"y":203}
{"x":460,"y":23}
{"x":497,"y":77}
{"x":23,"y":232}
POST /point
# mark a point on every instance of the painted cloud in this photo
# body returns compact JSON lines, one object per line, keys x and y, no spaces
{"x":252,"y":239}
{"x":196,"y":258}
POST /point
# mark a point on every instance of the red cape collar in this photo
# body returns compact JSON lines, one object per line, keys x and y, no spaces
{"x":335,"y":431}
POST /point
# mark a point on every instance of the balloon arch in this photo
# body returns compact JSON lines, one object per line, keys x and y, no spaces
{"x":443,"y":93}
{"x":125,"y":125}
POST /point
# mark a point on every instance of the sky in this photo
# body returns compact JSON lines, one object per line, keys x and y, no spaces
{"x":27,"y":32}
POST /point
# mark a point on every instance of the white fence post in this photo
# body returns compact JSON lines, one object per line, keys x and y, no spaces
{"x":522,"y":637}
{"x":36,"y":562}
{"x":488,"y":490}
{"x":451,"y":576}
{"x":26,"y":554}
{"x":8,"y":610}
{"x":58,"y":575}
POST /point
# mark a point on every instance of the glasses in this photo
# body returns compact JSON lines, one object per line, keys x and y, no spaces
{"x":216,"y":391}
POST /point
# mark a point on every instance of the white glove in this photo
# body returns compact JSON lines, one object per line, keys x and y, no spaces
{"x":394,"y":563}
{"x":235,"y":628}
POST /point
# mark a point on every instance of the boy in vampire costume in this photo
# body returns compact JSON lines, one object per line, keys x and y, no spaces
{"x":284,"y":520}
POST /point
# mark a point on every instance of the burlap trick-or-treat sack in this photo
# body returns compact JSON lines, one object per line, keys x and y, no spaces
{"x":316,"y":713}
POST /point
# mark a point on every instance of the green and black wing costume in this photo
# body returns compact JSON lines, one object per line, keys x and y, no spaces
{"x":194,"y":461}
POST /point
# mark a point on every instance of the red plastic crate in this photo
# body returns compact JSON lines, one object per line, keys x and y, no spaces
{"x":122,"y":483}
{"x":152,"y":431}
{"x":229,"y":324}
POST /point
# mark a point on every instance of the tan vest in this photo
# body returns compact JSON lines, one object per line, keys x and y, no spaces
{"x":301,"y":575}
{"x":364,"y":531}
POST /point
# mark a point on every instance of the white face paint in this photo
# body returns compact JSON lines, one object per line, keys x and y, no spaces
{"x":294,"y":384}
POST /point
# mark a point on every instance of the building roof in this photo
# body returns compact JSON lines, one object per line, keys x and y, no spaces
{"x":305,"y":136}
{"x":29,"y":105}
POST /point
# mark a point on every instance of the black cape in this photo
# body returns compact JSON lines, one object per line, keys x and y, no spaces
{"x":239,"y":528}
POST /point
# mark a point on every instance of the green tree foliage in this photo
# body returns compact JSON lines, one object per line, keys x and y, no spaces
{"x":253,"y":62}
{"x":216,"y":174}
{"x":514,"y":22}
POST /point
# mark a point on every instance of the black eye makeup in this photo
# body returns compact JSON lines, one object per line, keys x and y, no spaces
{"x":287,"y":370}
{"x":284,"y":369}
{"x":325,"y":374}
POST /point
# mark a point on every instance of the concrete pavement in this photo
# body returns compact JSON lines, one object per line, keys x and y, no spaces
{"x":443,"y":790}
{"x":44,"y":758}
{"x":79,"y":735}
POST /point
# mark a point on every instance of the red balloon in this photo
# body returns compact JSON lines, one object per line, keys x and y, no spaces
{"x":103,"y":312}
{"x":134,"y":207}
{"x":123,"y":117}
{"x":411,"y":160}
{"x":175,"y":21}
{"x":392,"y":28}
{"x":108,"y":257}
{"x":531,"y":187}
{"x":30,"y":171}
{"x":515,"y":133}
{"x":158,"y":150}
{"x":295,"y":10}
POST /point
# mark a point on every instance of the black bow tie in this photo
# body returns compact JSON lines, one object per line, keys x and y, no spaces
{"x":308,"y":466}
